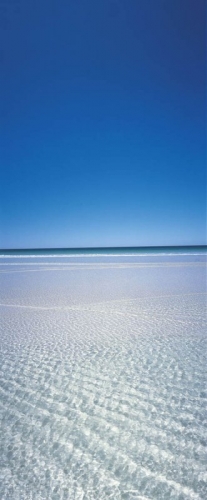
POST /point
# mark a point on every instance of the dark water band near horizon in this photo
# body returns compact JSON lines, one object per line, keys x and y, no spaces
{"x":158,"y":250}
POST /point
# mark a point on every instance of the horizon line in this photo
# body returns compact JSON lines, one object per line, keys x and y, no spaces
{"x":103,"y":247}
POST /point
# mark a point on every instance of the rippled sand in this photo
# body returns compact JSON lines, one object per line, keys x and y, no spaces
{"x":102,"y":380}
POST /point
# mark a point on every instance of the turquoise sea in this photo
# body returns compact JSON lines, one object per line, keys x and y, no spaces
{"x":103,"y":374}
{"x":162,"y":250}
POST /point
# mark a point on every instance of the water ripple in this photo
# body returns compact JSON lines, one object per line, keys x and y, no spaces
{"x":103,"y":398}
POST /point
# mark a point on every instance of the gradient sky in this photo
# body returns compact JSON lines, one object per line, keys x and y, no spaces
{"x":103,"y":123}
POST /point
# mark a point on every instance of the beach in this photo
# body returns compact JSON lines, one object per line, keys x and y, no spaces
{"x":102,"y":375}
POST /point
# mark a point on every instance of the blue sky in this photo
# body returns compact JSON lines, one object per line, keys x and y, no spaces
{"x":103,"y":123}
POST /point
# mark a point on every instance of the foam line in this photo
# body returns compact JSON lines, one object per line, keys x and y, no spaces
{"x":69,"y":256}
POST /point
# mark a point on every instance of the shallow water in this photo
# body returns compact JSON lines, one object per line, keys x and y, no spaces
{"x":102,"y":378}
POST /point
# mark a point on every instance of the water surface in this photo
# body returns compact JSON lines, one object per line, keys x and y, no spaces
{"x":102,"y":374}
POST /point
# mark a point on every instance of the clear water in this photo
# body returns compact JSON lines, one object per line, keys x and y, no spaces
{"x":102,"y":375}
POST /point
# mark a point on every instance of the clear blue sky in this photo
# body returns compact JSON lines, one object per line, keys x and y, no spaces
{"x":103,"y":123}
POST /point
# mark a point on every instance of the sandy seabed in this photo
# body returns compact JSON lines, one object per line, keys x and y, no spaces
{"x":102,"y":379}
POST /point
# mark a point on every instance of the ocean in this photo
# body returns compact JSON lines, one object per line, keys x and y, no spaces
{"x":103,"y":374}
